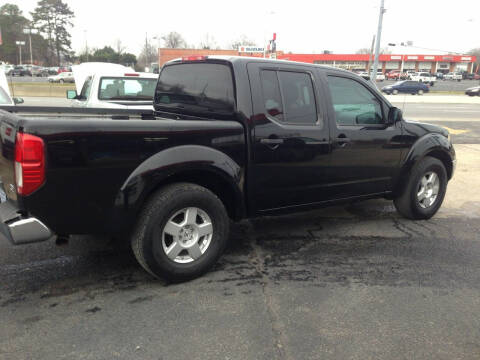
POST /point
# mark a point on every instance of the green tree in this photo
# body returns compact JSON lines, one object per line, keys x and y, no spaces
{"x":12,"y":23}
{"x":53,"y":19}
{"x":128,"y":59}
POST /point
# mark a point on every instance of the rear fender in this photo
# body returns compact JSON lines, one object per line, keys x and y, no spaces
{"x":171,"y":163}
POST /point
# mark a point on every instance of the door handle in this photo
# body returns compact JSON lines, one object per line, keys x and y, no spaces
{"x":342,"y":140}
{"x":271,"y":141}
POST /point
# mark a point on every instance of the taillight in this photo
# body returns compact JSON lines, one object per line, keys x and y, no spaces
{"x":194,"y":58}
{"x":29,"y":163}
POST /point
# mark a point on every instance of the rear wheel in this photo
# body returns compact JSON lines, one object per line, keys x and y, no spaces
{"x":424,"y":191}
{"x":181,"y":232}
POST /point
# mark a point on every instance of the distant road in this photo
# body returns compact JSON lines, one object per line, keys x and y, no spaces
{"x":440,"y":85}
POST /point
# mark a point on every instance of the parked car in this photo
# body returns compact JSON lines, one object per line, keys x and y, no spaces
{"x":410,"y":73}
{"x":64,"y":69}
{"x":396,"y":75}
{"x":104,"y":85}
{"x":406,"y":86}
{"x":5,"y":96}
{"x":365,"y":75}
{"x":423,"y":77}
{"x":7,"y":68}
{"x":439,"y":75}
{"x":230,"y":138}
{"x":19,"y":70}
{"x":380,"y":76}
{"x":471,"y":76}
{"x":62,"y":78}
{"x":473,"y":91}
{"x":39,"y":71}
{"x":52,"y":70}
{"x":453,"y":76}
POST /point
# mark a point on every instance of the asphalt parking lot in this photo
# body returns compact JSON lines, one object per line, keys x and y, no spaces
{"x":355,"y":282}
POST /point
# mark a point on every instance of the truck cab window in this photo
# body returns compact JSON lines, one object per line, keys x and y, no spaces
{"x":353,"y":103}
{"x":289,"y":96}
{"x":297,"y":90}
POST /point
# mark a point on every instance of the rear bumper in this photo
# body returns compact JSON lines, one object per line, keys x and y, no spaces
{"x":20,"y":229}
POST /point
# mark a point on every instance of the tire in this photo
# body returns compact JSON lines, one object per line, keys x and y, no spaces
{"x":395,"y":92}
{"x":420,"y":92}
{"x":408,"y":203}
{"x":151,"y":239}
{"x":432,"y":83}
{"x":61,"y":81}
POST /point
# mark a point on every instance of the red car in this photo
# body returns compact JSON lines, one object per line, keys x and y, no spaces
{"x":64,"y":69}
{"x":396,"y":75}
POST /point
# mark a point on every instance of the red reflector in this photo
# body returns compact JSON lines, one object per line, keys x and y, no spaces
{"x":29,"y":163}
{"x":131,"y":74}
{"x":194,"y":58}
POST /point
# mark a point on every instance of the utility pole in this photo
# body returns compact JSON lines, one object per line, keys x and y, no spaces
{"x":146,"y":51}
{"x":86,"y":44}
{"x":370,"y":54}
{"x":29,"y":32}
{"x":373,"y":75}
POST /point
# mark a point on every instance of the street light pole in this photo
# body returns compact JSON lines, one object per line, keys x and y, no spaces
{"x":20,"y":44}
{"x":29,"y":32}
{"x":373,"y":75}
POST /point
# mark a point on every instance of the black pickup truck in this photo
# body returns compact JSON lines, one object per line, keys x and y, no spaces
{"x":230,"y":138}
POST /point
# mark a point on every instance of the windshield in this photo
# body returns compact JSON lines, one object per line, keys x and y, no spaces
{"x":196,"y":89}
{"x":123,"y":88}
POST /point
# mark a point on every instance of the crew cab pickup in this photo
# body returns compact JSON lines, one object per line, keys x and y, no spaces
{"x":230,"y":138}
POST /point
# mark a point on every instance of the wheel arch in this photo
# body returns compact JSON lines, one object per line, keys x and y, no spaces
{"x":421,"y":149}
{"x":195,"y":164}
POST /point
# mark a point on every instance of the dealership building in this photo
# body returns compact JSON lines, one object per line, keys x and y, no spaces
{"x":387,"y":62}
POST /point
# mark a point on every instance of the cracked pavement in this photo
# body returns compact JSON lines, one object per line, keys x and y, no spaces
{"x":355,"y":282}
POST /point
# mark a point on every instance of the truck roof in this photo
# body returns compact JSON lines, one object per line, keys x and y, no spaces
{"x":248,"y":59}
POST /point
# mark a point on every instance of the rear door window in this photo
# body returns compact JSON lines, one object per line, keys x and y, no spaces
{"x":289,"y":96}
{"x":196,"y":89}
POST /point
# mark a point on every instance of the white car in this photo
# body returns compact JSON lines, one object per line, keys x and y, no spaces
{"x":5,"y":97}
{"x":380,"y":76}
{"x":423,"y":77}
{"x":62,"y":78}
{"x":7,"y":68}
{"x":112,"y":86}
{"x":452,"y":76}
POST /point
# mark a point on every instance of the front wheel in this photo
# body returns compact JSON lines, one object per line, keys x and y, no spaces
{"x":420,"y":92}
{"x":424,"y":191}
{"x":181,"y":232}
{"x":61,"y":81}
{"x":395,"y":92}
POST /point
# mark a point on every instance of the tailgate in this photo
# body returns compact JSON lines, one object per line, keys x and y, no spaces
{"x":8,"y":129}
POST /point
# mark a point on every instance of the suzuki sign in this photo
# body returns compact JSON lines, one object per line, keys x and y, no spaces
{"x":250,"y":49}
